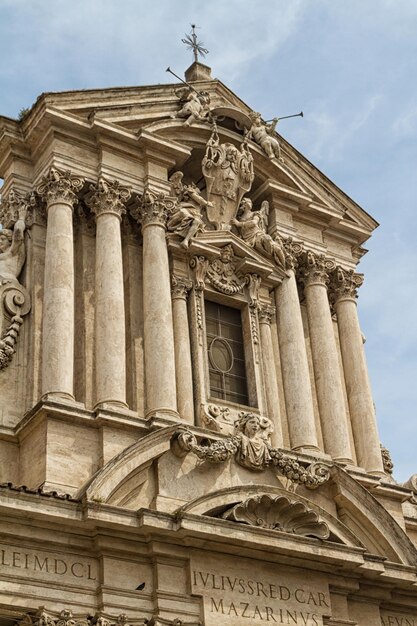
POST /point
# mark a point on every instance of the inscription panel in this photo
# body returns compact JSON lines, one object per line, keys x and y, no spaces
{"x":238,"y":589}
{"x":47,"y":565}
{"x":391,"y":618}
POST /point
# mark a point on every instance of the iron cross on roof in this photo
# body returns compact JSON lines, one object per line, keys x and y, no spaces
{"x":194,"y":45}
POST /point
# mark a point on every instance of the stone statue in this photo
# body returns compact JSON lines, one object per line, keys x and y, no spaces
{"x":252,"y":226}
{"x":12,"y":250}
{"x":195,"y":107}
{"x":228,"y":172}
{"x":254,"y":433}
{"x":186,"y":219}
{"x":263,"y":135}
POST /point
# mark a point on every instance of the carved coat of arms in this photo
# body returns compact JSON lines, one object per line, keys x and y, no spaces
{"x":228,"y":172}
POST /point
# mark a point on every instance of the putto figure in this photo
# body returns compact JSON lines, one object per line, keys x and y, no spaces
{"x":252,"y":226}
{"x":195,"y":105}
{"x":186,"y":219}
{"x":263,"y":134}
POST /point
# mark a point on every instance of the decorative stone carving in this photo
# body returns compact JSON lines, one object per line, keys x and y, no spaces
{"x":316,"y":268}
{"x":228,"y":172}
{"x":195,"y":105}
{"x":264,"y":135}
{"x":278,"y":513}
{"x":154,"y":208}
{"x":266,"y":314}
{"x":220,"y":272}
{"x":252,"y":226}
{"x":345,"y":283}
{"x":60,"y":186}
{"x":16,"y":205}
{"x":157,"y":621}
{"x":253,"y":282}
{"x":216,"y":417}
{"x":180,"y":286}
{"x":292,"y":251}
{"x":108,"y":197}
{"x":14,"y":299}
{"x":386,"y":460}
{"x":66,"y":618}
{"x":186,"y":219}
{"x":250,"y":448}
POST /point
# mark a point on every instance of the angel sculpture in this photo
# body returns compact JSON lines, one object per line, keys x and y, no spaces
{"x":263,"y":134}
{"x":186,"y":219}
{"x":12,"y":250}
{"x":253,"y":230}
{"x":195,"y":105}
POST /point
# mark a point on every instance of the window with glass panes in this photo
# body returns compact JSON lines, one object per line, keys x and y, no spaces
{"x":226,"y":357}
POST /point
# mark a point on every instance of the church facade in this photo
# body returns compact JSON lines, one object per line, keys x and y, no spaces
{"x":187,"y":429}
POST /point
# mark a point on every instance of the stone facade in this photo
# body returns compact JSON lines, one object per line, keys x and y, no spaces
{"x":183,"y":384}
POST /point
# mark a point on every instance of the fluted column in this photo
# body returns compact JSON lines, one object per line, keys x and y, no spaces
{"x":361,"y":406}
{"x":183,"y":368}
{"x":327,"y":373}
{"x":294,"y":363}
{"x":59,"y":190}
{"x":106,"y":200}
{"x":265,"y":314}
{"x":159,"y":350}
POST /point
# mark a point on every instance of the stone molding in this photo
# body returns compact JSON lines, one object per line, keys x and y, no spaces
{"x":278,"y":513}
{"x":108,"y":197}
{"x":67,"y":618}
{"x":60,"y":186}
{"x":180,"y":286}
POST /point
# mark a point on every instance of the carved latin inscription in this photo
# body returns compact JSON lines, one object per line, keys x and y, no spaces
{"x":28,"y":563}
{"x":265,"y":596}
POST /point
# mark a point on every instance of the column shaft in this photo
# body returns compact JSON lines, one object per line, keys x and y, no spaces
{"x":326,"y":363}
{"x":58,"y":189}
{"x":183,"y":366}
{"x":159,"y":350}
{"x":361,"y":406}
{"x":295,"y":370}
{"x":269,"y":373}
{"x":106,"y":200}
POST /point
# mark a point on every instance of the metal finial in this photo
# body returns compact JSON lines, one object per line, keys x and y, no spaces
{"x":194,"y":45}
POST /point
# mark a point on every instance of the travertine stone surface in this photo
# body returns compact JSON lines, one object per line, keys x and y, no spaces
{"x":59,"y":192}
{"x":325,"y":359}
{"x":295,"y":372}
{"x":161,"y":393}
{"x":107,"y":202}
{"x":183,"y":366}
{"x":265,"y":315}
{"x":361,"y":404}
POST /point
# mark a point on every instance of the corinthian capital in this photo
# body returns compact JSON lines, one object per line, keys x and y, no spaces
{"x":345,"y":283}
{"x":16,"y":207}
{"x":154,"y":208}
{"x":316,"y":268}
{"x":60,"y":186}
{"x":180,"y":287}
{"x":292,"y":251}
{"x":266,"y":313}
{"x":108,"y":197}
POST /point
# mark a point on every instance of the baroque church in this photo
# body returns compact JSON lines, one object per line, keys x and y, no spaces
{"x":187,"y":429}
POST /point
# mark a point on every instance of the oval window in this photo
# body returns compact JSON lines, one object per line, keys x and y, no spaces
{"x":221,"y":356}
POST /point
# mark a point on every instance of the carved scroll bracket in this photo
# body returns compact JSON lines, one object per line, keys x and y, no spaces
{"x":16,"y":304}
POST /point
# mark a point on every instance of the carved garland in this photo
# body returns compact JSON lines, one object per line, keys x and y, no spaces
{"x":184,"y":441}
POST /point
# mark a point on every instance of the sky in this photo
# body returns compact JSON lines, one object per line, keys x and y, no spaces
{"x":350,"y":65}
